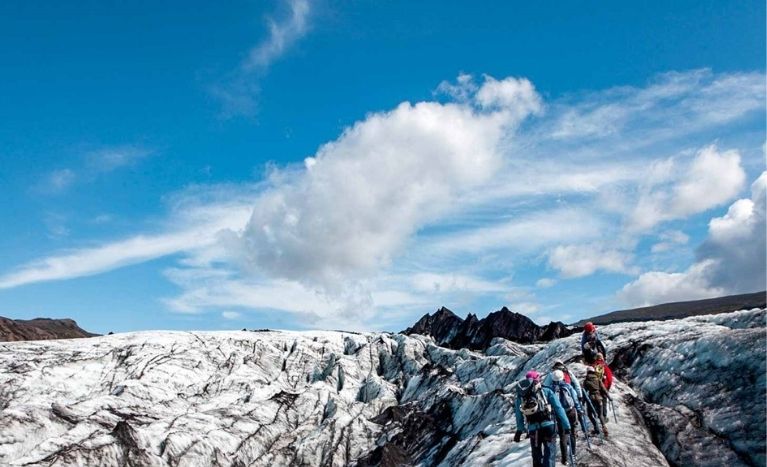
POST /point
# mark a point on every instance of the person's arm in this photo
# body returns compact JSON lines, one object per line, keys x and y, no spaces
{"x":561,"y":414}
{"x":602,"y":348}
{"x":574,"y":395}
{"x":521,"y":426}
{"x":608,"y":377}
{"x":576,"y":385}
{"x":604,"y":390}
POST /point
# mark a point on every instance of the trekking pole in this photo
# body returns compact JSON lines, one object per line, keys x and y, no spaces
{"x":612,"y":406}
{"x":585,"y":427}
{"x":570,"y":450}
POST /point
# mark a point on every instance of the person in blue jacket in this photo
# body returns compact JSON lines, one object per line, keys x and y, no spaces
{"x":569,"y":378}
{"x":536,"y":408}
{"x":568,"y":397}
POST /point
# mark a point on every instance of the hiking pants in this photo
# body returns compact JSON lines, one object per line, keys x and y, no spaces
{"x":543,"y":443}
{"x":573,"y":417}
{"x":598,"y":407}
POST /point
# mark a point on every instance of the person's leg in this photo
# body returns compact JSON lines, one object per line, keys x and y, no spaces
{"x":562,"y":440}
{"x":573,"y":417}
{"x":592,"y":417}
{"x":535,"y":447}
{"x":598,"y":405}
{"x":549,"y":442}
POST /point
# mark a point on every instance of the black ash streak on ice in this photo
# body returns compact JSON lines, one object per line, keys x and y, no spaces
{"x":333,"y":398}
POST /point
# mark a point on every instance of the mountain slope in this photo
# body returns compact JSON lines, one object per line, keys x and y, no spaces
{"x":677,"y":310}
{"x":332,"y":398}
{"x":39,"y":329}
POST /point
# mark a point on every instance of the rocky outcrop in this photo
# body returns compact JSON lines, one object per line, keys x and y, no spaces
{"x":40,"y":329}
{"x":449,"y":330}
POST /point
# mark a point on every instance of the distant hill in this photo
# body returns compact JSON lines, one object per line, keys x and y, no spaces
{"x":449,"y":330}
{"x":678,"y":310}
{"x":40,"y":329}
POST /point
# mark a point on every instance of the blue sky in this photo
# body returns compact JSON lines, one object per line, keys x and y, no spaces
{"x":300,"y":164}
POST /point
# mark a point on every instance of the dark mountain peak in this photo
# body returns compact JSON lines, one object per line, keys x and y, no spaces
{"x":444,"y":313}
{"x":442,"y":325}
{"x":449,"y":330}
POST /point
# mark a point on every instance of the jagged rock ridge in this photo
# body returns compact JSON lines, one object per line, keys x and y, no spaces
{"x":40,"y":329}
{"x":451,"y":331}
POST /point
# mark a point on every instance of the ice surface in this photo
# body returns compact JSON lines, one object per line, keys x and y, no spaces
{"x":334,"y":398}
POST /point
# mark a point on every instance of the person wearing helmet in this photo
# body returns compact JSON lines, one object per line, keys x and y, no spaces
{"x":569,"y":378}
{"x":536,"y":408}
{"x":569,"y":400}
{"x":591,"y":344}
{"x":595,"y":390}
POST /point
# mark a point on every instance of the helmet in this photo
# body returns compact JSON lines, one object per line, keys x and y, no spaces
{"x":534,"y":375}
{"x":590,"y":369}
{"x":558,"y":364}
{"x":557,"y":375}
{"x":589,"y":327}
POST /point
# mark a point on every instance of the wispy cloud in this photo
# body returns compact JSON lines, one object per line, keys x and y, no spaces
{"x":445,"y":201}
{"x":90,"y":166}
{"x":238,"y":93}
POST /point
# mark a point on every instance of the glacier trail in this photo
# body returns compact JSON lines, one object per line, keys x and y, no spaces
{"x":689,"y":392}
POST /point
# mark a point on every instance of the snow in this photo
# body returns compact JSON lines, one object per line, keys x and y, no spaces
{"x":336,"y":398}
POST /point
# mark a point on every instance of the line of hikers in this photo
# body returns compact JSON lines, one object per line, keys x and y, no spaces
{"x":545,"y":407}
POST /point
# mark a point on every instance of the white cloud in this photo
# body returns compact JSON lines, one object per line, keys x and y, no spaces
{"x":652,"y":288}
{"x":231,"y":315}
{"x":354,"y":208}
{"x":526,"y":308}
{"x":95,"y":164}
{"x":58,"y":181}
{"x":731,"y":260}
{"x":457,"y":190}
{"x":112,"y":158}
{"x":671,"y":192}
{"x":670,"y":239}
{"x":195,"y":230}
{"x":282,"y":34}
{"x":446,"y":283}
{"x":238,"y":93}
{"x":545,"y":283}
{"x":525,"y":233}
{"x":582,"y":260}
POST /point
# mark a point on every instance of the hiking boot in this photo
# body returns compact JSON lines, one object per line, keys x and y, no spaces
{"x":605,"y":430}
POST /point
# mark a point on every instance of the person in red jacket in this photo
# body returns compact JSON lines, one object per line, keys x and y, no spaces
{"x":602,"y":369}
{"x":605,"y":374}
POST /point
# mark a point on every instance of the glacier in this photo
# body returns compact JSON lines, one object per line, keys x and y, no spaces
{"x":688,"y":392}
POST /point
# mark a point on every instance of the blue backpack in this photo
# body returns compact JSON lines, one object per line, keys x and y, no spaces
{"x":565,"y":397}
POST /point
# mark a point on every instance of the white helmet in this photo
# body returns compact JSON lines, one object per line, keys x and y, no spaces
{"x":557,"y":375}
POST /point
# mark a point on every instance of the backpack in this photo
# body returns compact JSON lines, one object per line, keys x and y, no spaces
{"x":533,"y":404}
{"x":565,"y":397}
{"x":600,"y":371}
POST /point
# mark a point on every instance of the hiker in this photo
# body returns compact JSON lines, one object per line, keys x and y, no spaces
{"x":536,"y":408}
{"x":569,"y":378}
{"x":568,"y":397}
{"x":596,"y":392}
{"x":603,"y":371}
{"x":606,"y":376}
{"x":591,"y":344}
